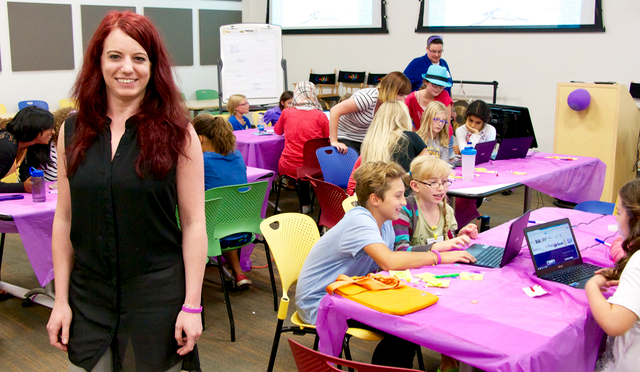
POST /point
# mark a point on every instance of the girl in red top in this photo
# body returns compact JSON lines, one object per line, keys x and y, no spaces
{"x":301,"y":122}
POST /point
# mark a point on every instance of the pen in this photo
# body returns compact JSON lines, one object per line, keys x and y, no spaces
{"x":533,"y":221}
{"x":446,"y":276}
{"x":603,"y":242}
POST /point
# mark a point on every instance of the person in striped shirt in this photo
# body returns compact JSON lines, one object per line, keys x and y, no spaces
{"x":351,"y":119}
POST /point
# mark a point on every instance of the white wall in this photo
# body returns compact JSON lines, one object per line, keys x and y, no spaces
{"x":527,"y":65}
{"x":51,"y":86}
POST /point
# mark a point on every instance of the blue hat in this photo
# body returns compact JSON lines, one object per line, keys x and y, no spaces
{"x":437,"y":75}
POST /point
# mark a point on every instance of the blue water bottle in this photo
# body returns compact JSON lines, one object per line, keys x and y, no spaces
{"x":261,"y":123}
{"x":468,"y":162}
{"x":37,"y":185}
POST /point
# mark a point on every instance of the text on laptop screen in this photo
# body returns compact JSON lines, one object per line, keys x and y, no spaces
{"x":553,"y":245}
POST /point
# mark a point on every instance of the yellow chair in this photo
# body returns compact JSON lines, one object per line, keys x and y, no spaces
{"x":350,"y":203}
{"x":226,"y":116}
{"x":3,"y":109}
{"x":67,"y":102}
{"x":255,"y":117}
{"x":290,"y":242}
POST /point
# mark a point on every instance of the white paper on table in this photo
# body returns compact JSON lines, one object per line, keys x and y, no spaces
{"x":483,"y":189}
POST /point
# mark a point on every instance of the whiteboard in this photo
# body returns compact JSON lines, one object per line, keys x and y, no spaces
{"x":251,"y":56}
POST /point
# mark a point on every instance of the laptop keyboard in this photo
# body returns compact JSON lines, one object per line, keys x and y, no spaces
{"x":573,"y":274}
{"x":491,"y":256}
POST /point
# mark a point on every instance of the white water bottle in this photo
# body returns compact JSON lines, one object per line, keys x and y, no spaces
{"x":261,"y":123}
{"x":468,"y":162}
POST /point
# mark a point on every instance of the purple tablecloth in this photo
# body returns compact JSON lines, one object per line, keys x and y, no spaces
{"x":260,"y":151}
{"x":574,"y":181}
{"x":34,"y":223}
{"x":505,"y":330}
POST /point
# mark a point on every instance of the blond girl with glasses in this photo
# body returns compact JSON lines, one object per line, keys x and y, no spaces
{"x":427,"y":223}
{"x":433,"y":130}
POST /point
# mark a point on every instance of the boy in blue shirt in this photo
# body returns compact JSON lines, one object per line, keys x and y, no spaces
{"x":361,"y":243}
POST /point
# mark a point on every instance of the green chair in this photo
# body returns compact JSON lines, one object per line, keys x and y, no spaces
{"x":202,"y":94}
{"x":239,"y":211}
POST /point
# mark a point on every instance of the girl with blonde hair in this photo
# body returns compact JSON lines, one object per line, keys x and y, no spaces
{"x":390,"y":138}
{"x":238,"y":106}
{"x":432,"y":130}
{"x":427,"y":223}
{"x":351,"y":119}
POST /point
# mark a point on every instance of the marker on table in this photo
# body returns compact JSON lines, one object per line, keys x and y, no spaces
{"x":533,"y":221}
{"x":446,"y":276}
{"x":603,"y":242}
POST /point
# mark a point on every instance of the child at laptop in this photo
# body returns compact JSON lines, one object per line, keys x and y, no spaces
{"x":619,"y":316}
{"x":427,"y":218}
{"x":476,"y":129}
{"x":361,"y":243}
{"x":433,"y":130}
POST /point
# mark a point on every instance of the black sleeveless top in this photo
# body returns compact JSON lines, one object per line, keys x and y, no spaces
{"x":127,"y":283}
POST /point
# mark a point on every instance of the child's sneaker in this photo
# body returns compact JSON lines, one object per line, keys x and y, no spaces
{"x":242,"y":281}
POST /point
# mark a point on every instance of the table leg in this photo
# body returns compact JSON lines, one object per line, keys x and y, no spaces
{"x":527,"y":198}
{"x":452,"y":203}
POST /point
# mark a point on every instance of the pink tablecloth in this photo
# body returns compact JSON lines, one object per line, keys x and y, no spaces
{"x":34,"y":223}
{"x":505,"y":330}
{"x":574,"y":181}
{"x":260,"y":151}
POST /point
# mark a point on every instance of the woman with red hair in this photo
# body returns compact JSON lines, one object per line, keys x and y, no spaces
{"x":128,"y":276}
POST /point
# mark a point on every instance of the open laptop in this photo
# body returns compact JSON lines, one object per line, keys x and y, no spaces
{"x":490,"y":256}
{"x":484,"y":150}
{"x":514,"y":148}
{"x":555,"y":254}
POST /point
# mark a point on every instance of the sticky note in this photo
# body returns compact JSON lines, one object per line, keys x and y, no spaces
{"x":481,"y":169}
{"x":612,"y":228}
{"x":432,"y":281}
{"x":534,"y":291}
{"x":474,"y":301}
{"x":520,"y":173}
{"x":471,"y":276}
{"x":403,"y":275}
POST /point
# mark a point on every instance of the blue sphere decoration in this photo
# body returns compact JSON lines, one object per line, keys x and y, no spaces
{"x":579,"y":99}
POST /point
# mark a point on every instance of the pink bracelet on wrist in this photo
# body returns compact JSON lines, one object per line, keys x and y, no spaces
{"x":191,"y":310}
{"x":439,"y":257}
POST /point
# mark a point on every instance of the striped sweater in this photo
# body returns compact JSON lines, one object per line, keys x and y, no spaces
{"x":354,"y":125}
{"x":405,"y":226}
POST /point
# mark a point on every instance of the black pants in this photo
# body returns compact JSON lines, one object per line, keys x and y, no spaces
{"x":353,"y":144}
{"x":392,"y":351}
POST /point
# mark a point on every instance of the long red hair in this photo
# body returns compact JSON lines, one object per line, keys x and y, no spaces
{"x":162,"y":119}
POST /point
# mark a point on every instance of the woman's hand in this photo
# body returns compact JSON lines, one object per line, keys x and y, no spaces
{"x":27,"y":185}
{"x":456,"y":150}
{"x":470,"y":230}
{"x":341,"y":147}
{"x":58,"y":326}
{"x":458,"y":243}
{"x":472,"y":130}
{"x":457,"y":256}
{"x":609,"y":283}
{"x":191,"y":325}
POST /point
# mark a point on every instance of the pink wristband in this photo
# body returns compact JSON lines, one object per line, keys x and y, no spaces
{"x":191,"y":310}
{"x":439,"y":257}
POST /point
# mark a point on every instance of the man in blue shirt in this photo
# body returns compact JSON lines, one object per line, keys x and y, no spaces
{"x":420,"y":65}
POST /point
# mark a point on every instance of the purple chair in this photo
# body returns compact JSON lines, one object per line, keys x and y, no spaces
{"x":336,"y":167}
{"x":42,"y":104}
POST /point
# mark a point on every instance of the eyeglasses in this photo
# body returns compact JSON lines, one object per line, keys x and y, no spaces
{"x":244,"y":104}
{"x":436,"y":51}
{"x":435,"y":185}
{"x":441,"y":121}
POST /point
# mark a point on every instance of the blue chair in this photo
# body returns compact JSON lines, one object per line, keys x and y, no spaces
{"x":42,"y":104}
{"x":595,"y":206}
{"x":336,"y":168}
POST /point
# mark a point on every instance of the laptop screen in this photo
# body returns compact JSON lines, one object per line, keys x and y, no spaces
{"x":553,"y":245}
